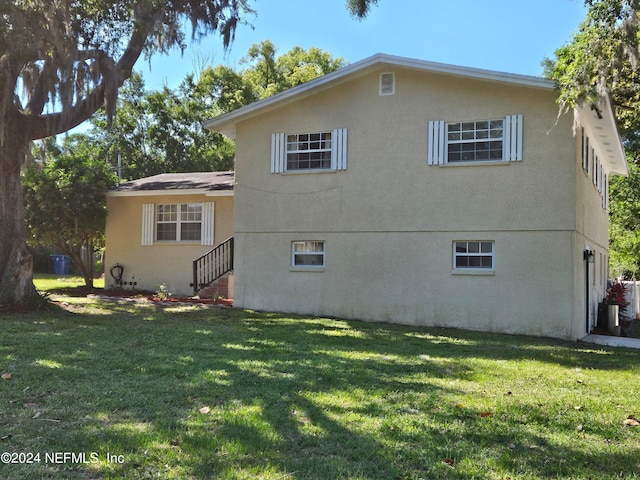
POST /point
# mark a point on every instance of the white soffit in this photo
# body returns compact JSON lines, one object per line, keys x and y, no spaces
{"x":600,"y":126}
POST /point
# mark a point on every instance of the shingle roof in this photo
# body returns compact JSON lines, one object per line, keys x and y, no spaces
{"x":199,"y":181}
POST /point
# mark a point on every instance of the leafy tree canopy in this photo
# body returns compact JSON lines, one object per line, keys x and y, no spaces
{"x":161,"y":131}
{"x":268,"y":74}
{"x":71,"y":56}
{"x":65,"y":201}
{"x":602,"y":59}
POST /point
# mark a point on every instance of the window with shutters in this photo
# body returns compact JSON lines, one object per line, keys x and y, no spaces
{"x":595,"y":170}
{"x":475,"y":141}
{"x":309,"y":152}
{"x":178,"y":222}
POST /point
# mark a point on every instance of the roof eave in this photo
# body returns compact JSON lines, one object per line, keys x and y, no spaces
{"x":600,"y":123}
{"x":177,"y":191}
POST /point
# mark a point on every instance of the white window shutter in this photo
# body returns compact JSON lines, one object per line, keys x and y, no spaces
{"x":148,"y":213}
{"x":600,"y":179}
{"x":278,"y":152}
{"x":207,"y":225}
{"x":339,"y":149}
{"x":512,"y":139}
{"x":437,"y":142}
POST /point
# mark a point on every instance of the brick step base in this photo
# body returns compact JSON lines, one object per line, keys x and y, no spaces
{"x":219,"y":288}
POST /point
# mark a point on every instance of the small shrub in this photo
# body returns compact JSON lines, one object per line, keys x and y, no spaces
{"x":40,"y":301}
{"x":163,"y":292}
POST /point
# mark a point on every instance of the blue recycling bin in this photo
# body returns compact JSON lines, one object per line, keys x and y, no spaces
{"x":61,"y":264}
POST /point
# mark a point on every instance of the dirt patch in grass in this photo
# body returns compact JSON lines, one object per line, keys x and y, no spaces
{"x":83,"y":291}
{"x":140,"y":294}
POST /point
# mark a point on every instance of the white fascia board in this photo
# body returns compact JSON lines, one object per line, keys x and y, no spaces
{"x":478,"y":73}
{"x":226,"y":123}
{"x":602,"y":129}
{"x":155,"y":193}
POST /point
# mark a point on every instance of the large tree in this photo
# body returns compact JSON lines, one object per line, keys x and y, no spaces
{"x":69,"y":57}
{"x":603,"y":58}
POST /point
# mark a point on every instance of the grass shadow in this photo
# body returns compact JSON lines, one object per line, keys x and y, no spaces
{"x":223,"y":393}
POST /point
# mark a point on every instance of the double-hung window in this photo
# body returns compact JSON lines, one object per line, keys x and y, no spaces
{"x":491,"y":140}
{"x":323,"y":151}
{"x":307,"y":151}
{"x":179,"y":222}
{"x":473,"y":255}
{"x":307,"y":254}
{"x":472,"y":141}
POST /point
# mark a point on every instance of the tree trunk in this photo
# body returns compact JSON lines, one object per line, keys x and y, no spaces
{"x":89,"y":278}
{"x":16,"y":263}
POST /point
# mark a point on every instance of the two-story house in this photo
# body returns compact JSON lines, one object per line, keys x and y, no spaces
{"x":406,"y":191}
{"x":412,"y":192}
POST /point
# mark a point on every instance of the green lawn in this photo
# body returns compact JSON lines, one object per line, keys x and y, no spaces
{"x":190,"y":392}
{"x":50,"y":281}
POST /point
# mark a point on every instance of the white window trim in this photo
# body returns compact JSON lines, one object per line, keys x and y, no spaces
{"x":339,"y":149}
{"x":473,"y":270}
{"x":438,"y":144}
{"x":307,"y":268}
{"x":460,"y":142}
{"x":324,"y":141}
{"x":178,"y":223}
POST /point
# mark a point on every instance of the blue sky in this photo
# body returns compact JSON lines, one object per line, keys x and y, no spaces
{"x":504,"y":35}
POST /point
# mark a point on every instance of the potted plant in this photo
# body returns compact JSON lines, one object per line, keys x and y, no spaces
{"x":615,"y":299}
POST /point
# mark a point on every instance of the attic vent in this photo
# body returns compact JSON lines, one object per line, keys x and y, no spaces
{"x":387,"y":83}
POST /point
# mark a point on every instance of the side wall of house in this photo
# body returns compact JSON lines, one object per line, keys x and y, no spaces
{"x":169,"y":263}
{"x":390,"y":220}
{"x":592,"y":234}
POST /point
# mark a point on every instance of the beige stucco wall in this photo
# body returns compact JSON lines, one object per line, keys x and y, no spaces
{"x":168,"y":263}
{"x":592,"y":233}
{"x":390,"y":219}
{"x":412,"y":281}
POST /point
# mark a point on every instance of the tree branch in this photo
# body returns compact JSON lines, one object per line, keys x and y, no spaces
{"x":41,"y":126}
{"x":39,"y":95}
